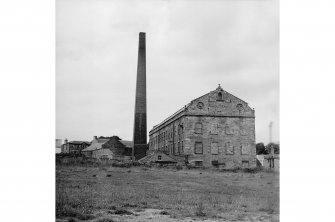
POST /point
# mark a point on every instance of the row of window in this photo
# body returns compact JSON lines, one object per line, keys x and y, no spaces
{"x":166,"y":135}
{"x":229,"y":148}
{"x":177,"y":149}
{"x":214,"y":130}
{"x":199,"y":163}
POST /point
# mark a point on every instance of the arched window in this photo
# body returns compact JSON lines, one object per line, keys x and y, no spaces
{"x":219,"y":96}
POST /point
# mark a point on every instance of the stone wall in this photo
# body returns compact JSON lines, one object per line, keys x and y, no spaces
{"x":216,"y":128}
{"x":229,"y":141}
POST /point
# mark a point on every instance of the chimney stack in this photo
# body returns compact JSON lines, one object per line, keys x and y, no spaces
{"x":140,"y":116}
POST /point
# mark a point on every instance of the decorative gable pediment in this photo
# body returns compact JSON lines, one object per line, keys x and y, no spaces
{"x":219,"y":102}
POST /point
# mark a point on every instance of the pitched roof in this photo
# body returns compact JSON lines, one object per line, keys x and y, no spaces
{"x":78,"y":142}
{"x":96,"y":145}
{"x":102,"y":140}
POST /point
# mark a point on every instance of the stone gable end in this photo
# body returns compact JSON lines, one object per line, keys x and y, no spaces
{"x":220,"y":102}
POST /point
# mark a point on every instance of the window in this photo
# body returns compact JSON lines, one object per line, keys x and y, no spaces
{"x":214,"y":148}
{"x":229,"y":130}
{"x":245,"y":164}
{"x":243,"y":132}
{"x":215,"y":163}
{"x":178,"y":147}
{"x":200,"y":105}
{"x":198,"y":128}
{"x":198,"y":148}
{"x":181,"y":128}
{"x":198,"y":163}
{"x":229,"y":148}
{"x":240,"y":108}
{"x":214,"y":129}
{"x":159,"y":157}
{"x":219,"y":96}
{"x":182,"y":146}
{"x":245,"y":149}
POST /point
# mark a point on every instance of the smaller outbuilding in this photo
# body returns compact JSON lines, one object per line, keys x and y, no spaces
{"x":109,"y":148}
{"x":74,"y":147}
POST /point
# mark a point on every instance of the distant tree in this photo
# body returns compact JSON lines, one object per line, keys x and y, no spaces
{"x":275,"y":146}
{"x":260,"y":148}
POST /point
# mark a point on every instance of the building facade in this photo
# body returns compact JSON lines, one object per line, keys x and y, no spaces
{"x":216,"y":129}
{"x":74,"y":147}
{"x":109,"y":148}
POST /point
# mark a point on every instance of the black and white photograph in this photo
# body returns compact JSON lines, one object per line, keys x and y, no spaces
{"x":167,"y":110}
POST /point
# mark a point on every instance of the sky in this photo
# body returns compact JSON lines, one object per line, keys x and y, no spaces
{"x":191,"y":47}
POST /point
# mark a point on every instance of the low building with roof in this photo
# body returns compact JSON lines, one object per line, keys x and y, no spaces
{"x":74,"y":147}
{"x":109,"y":148}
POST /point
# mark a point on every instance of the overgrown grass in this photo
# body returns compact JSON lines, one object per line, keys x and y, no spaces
{"x":182,"y":193}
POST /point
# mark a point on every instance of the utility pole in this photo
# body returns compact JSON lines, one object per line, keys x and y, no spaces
{"x":270,"y":131}
{"x":272,"y":162}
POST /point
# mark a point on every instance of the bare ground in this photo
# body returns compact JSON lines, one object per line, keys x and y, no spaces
{"x":106,"y":194}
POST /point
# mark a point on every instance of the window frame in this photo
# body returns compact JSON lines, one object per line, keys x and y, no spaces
{"x":226,"y":148}
{"x":197,"y":128}
{"x":219,"y":96}
{"x":217,"y":148}
{"x":195,"y":148}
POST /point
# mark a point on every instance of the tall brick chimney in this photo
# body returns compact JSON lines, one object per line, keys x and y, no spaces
{"x":140,"y":118}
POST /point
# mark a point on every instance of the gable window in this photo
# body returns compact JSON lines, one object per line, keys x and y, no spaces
{"x":198,"y":149}
{"x":159,"y":157}
{"x":219,"y":97}
{"x":198,"y":128}
{"x":240,"y":108}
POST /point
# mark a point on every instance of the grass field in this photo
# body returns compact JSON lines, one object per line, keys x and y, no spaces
{"x":154,"y":194}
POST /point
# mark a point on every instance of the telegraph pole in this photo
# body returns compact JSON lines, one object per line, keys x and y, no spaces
{"x":270,"y":131}
{"x":272,"y":162}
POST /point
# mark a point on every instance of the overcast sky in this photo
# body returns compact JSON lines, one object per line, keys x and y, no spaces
{"x":192,"y":46}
